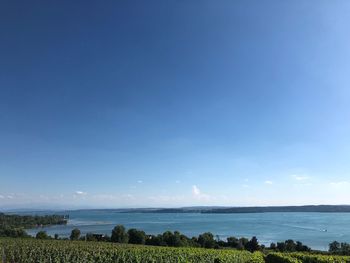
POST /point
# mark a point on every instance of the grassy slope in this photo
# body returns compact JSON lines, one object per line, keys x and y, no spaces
{"x":57,"y":251}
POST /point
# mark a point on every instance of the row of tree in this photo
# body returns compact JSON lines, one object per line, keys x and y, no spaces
{"x":176,"y":239}
{"x":339,"y":248}
{"x":14,"y":225}
{"x":30,"y":221}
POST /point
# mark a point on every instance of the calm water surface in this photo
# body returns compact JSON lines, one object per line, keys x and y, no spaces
{"x":316,"y":230}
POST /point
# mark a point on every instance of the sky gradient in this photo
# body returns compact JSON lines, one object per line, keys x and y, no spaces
{"x":174,"y":103}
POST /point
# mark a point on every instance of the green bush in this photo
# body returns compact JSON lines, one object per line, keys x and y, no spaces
{"x":281,"y":258}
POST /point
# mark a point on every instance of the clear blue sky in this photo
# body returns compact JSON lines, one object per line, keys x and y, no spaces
{"x":174,"y":103}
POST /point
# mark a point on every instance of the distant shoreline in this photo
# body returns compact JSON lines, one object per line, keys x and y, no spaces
{"x":253,"y":209}
{"x":235,"y":210}
{"x":210,"y":209}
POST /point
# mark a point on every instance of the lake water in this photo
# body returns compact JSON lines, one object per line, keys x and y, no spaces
{"x":316,"y":230}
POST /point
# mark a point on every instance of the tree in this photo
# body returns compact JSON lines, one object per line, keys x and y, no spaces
{"x":155,"y":240}
{"x":41,"y":235}
{"x":334,"y":247}
{"x":12,"y":232}
{"x":75,"y":234}
{"x":253,"y":245}
{"x":300,"y":247}
{"x":136,"y":236}
{"x":90,"y":237}
{"x":273,"y":246}
{"x":281,"y":246}
{"x":206,"y":240}
{"x":290,"y":245}
{"x":56,"y":236}
{"x":175,"y":239}
{"x":345,"y":248}
{"x":193,"y":242}
{"x":232,"y":242}
{"x":242,"y":243}
{"x":119,"y":234}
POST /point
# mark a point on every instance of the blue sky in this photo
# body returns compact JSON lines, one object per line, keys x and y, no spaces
{"x":174,"y":103}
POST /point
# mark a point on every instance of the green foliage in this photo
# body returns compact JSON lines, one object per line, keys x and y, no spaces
{"x":317,"y":258}
{"x":252,"y":245}
{"x":119,"y":234}
{"x":175,"y":239}
{"x":339,"y":248}
{"x":136,"y":236}
{"x":59,"y":251}
{"x":334,"y":247}
{"x":14,"y":225}
{"x":13,"y":232}
{"x":304,"y":258}
{"x":232,"y":242}
{"x":29,"y":221}
{"x":75,"y":234}
{"x":289,"y":246}
{"x":156,"y":241}
{"x":42,"y":235}
{"x":90,"y":237}
{"x":280,"y":258}
{"x":206,"y":240}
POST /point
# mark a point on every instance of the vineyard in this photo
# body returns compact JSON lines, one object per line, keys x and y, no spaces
{"x":304,"y":258}
{"x":52,"y":251}
{"x":36,"y":251}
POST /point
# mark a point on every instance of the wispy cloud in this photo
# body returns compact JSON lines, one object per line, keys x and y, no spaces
{"x":197,"y":194}
{"x":139,"y":181}
{"x":195,"y":190}
{"x":300,"y":177}
{"x":79,"y":194}
{"x":268,"y":182}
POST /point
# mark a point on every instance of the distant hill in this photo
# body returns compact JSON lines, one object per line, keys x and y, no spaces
{"x":265,"y":209}
{"x":252,"y":209}
{"x":203,"y":209}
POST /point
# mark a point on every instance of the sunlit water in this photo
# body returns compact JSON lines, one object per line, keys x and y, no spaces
{"x":316,"y":230}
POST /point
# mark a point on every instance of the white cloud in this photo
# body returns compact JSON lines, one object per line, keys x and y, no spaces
{"x":2,"y":197}
{"x":300,"y":177}
{"x":268,"y":182}
{"x":177,"y":181}
{"x":139,"y":181}
{"x":196,"y":191}
{"x":79,"y":194}
{"x":197,"y":194}
{"x":245,"y":185}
